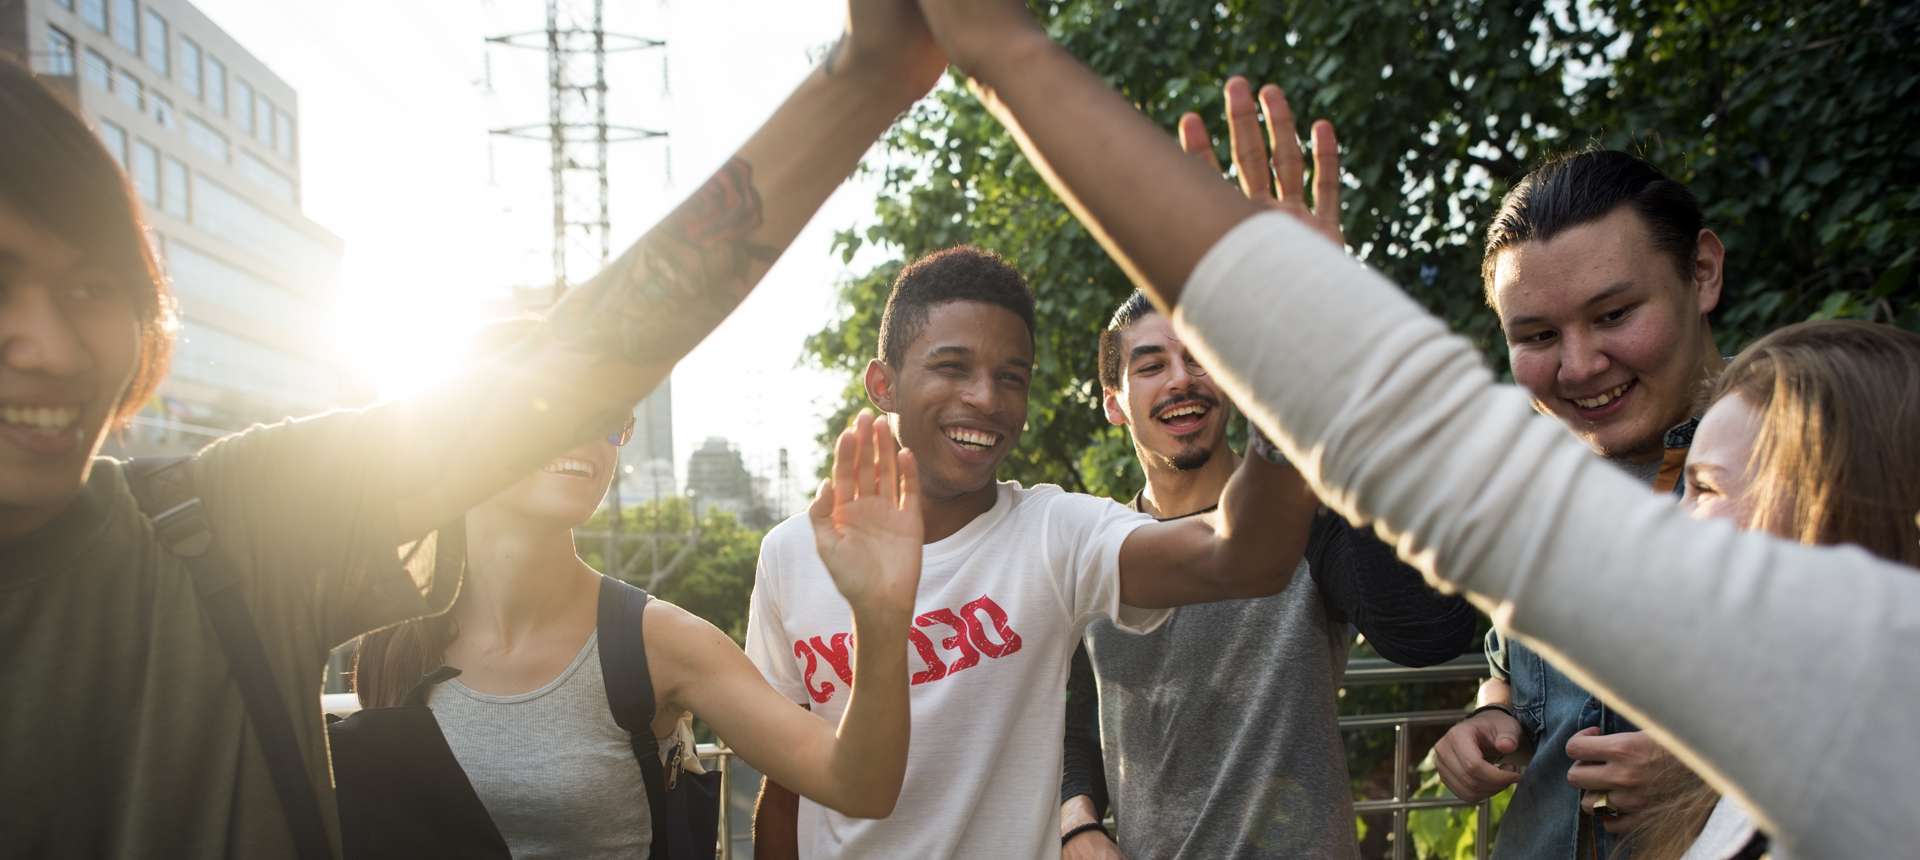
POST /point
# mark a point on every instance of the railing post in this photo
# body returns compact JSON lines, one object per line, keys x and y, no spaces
{"x":1402,"y":740}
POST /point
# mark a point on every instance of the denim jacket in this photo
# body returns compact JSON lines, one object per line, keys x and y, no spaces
{"x":1544,"y":819}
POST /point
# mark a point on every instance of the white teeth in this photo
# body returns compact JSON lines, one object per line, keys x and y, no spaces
{"x":1604,"y":397}
{"x":49,"y":418}
{"x":965,"y":436}
{"x":1189,"y":409}
{"x":568,"y":464}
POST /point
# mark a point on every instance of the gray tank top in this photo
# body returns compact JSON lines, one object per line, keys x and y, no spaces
{"x":553,"y":769}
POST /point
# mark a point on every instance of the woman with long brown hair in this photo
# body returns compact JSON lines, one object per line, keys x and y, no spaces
{"x":1813,"y":435}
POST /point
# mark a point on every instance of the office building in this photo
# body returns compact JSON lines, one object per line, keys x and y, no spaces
{"x":208,"y":135}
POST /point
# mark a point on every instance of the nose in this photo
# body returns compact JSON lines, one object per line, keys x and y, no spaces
{"x":38,"y":336}
{"x":1582,"y":359}
{"x":979,"y":393}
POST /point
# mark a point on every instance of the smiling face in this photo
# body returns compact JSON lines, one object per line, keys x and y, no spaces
{"x":1177,"y":417}
{"x":565,"y":492}
{"x":959,"y":396}
{"x":69,"y":346}
{"x":1718,"y":473}
{"x":1605,"y":332}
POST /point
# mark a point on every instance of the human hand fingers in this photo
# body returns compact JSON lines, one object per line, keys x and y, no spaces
{"x":1289,"y":167}
{"x":886,"y":454}
{"x":1326,"y":180}
{"x":863,"y":454}
{"x":843,"y":465}
{"x":1195,"y":142}
{"x":1243,"y":134}
{"x":910,"y":484}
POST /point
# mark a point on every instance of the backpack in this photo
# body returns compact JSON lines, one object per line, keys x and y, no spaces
{"x":401,"y":792}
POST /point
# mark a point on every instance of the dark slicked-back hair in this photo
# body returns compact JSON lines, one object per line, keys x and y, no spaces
{"x":1586,"y":186}
{"x":57,"y":175}
{"x":1111,"y":361}
{"x":959,"y":274}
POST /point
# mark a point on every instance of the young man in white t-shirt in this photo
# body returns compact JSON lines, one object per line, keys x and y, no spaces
{"x":1011,"y":577}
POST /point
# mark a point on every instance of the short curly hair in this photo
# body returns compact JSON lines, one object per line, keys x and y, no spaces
{"x":959,"y":274}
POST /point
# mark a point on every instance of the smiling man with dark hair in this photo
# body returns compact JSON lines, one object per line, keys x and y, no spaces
{"x":1011,"y":577}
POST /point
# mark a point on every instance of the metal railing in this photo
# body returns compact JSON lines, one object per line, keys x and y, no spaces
{"x":1374,"y":672}
{"x":1360,"y":673}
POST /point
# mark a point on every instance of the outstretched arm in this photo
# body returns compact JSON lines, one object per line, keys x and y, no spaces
{"x":614,"y":338}
{"x":867,"y":527}
{"x":1404,"y":428}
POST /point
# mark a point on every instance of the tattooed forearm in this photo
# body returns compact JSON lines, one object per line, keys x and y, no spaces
{"x":672,"y":287}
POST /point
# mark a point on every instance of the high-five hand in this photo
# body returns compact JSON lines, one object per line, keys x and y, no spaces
{"x":1273,"y":171}
{"x":888,"y":41}
{"x":866,"y":518}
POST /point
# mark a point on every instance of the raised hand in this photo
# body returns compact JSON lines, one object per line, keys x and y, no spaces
{"x":1273,"y":171}
{"x":975,"y":33}
{"x":866,"y":519}
{"x":888,"y":42}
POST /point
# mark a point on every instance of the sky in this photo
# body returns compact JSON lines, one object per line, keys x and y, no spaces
{"x":441,"y":219}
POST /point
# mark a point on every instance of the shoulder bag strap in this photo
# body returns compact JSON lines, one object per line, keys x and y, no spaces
{"x":623,"y":668}
{"x":164,"y":489}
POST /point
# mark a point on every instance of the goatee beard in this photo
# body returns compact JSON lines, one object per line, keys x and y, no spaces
{"x":1187,"y":461}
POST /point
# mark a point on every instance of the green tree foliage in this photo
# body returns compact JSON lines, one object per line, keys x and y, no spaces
{"x":708,"y":573}
{"x":1791,"y":121}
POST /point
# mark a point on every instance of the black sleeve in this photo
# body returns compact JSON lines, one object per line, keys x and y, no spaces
{"x":1082,"y":769}
{"x":1364,"y":583}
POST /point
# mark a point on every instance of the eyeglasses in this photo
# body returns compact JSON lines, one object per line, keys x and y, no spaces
{"x":622,"y":434}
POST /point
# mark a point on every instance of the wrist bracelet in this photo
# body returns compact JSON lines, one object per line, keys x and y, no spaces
{"x":1505,"y":709}
{"x":1091,"y":825}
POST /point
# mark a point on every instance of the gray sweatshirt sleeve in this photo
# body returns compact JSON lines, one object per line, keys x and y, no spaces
{"x":1784,"y":673}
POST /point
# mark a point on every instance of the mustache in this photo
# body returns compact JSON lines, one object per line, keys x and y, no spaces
{"x":1194,"y":397}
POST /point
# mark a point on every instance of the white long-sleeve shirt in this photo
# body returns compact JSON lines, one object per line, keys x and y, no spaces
{"x":1788,"y":675}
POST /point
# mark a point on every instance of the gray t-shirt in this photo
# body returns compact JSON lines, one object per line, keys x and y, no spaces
{"x":1254,"y":677}
{"x":552,"y":767}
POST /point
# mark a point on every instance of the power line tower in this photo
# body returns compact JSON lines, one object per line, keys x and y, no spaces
{"x":578,"y":135}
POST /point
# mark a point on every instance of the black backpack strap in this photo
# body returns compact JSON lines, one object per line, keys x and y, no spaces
{"x":165,"y":492}
{"x":623,"y":668}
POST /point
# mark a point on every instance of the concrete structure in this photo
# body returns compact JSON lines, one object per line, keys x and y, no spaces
{"x":208,"y":136}
{"x":717,"y":477}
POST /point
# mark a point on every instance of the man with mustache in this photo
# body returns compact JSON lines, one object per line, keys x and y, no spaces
{"x":1258,"y":769}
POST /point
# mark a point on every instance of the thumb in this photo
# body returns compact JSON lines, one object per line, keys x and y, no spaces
{"x":821,"y":511}
{"x":1505,"y":735}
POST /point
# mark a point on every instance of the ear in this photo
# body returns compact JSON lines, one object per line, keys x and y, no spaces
{"x":1709,"y":269}
{"x":879,"y":381}
{"x":1110,"y":404}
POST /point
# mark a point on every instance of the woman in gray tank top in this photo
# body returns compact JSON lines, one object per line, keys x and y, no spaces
{"x":528,"y":718}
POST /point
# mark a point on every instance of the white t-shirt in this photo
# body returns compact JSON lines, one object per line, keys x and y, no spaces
{"x":1002,"y":602}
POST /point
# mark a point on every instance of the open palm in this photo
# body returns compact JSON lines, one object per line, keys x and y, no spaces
{"x":866,"y":518}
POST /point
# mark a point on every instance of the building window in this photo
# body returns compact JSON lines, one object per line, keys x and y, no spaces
{"x":154,"y":45}
{"x":205,"y":139}
{"x":190,"y":68}
{"x":263,"y":111}
{"x":283,"y":135}
{"x":128,"y":88}
{"x":146,"y":171}
{"x":162,"y":110}
{"x":59,"y":53}
{"x":243,"y":105}
{"x":126,"y":25}
{"x":173,"y":187}
{"x":217,"y":85}
{"x":95,"y":70}
{"x":276,"y":183}
{"x":116,"y":140}
{"x":94,"y":12}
